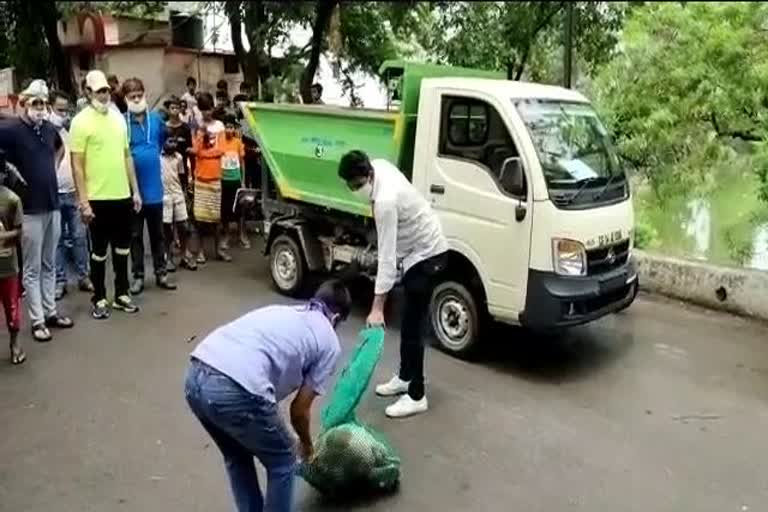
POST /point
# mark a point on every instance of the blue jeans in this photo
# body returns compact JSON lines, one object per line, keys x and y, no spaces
{"x":73,"y":243}
{"x":243,"y":426}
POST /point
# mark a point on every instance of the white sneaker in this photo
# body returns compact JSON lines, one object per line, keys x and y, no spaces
{"x":407,"y":406}
{"x":395,"y":386}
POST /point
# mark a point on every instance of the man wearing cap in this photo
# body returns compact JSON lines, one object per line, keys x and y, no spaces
{"x":107,"y":191}
{"x":33,"y":145}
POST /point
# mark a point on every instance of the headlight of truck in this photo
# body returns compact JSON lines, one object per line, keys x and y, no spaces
{"x":569,"y":257}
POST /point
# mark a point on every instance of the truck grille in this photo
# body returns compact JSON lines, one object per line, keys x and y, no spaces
{"x":603,"y":259}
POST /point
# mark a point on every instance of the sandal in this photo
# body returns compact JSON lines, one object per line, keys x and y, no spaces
{"x":40,"y":333}
{"x":18,"y":356}
{"x":59,"y":322}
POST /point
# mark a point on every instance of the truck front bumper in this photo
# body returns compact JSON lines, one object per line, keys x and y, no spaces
{"x":556,"y":301}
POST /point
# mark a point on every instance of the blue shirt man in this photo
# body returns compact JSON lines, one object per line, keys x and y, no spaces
{"x":242,"y":370}
{"x":146,"y":136}
{"x":146,"y":133}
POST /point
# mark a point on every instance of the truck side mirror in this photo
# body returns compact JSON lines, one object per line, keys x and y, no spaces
{"x":512,"y":177}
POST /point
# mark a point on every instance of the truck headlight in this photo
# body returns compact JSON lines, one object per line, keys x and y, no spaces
{"x":569,"y":257}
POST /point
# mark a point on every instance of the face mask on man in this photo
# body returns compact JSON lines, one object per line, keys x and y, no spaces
{"x":365,"y":192}
{"x":58,"y":120}
{"x":99,"y":105}
{"x":138,"y":106}
{"x":37,"y":116}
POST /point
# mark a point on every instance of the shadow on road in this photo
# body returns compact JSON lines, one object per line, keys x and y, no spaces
{"x":553,"y":357}
{"x":317,"y":503}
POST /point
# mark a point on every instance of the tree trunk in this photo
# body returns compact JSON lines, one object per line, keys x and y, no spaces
{"x":232,"y":8}
{"x":49,"y":16}
{"x":323,"y":12}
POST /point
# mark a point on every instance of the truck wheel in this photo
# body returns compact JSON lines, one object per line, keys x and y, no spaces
{"x":287,"y":266}
{"x":455,"y":318}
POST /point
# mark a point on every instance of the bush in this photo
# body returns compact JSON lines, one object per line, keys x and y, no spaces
{"x":645,"y":234}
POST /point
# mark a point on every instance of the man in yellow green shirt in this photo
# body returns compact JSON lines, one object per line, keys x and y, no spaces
{"x":107,"y":191}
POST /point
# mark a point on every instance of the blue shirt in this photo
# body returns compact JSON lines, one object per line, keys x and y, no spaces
{"x":273,"y":351}
{"x":146,"y":141}
{"x":32,"y":149}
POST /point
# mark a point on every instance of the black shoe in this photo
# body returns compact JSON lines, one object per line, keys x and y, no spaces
{"x":61,"y":291}
{"x":137,"y":287}
{"x":164,"y":283}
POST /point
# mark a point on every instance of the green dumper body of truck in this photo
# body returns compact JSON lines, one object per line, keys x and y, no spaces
{"x":303,"y":144}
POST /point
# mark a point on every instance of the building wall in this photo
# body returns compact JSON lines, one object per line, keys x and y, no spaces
{"x":163,"y":71}
{"x":143,"y":63}
{"x":206,"y":69}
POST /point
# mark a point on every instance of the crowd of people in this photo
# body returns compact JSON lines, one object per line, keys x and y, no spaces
{"x":82,"y":180}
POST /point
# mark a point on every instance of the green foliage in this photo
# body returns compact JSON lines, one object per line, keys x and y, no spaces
{"x":520,"y":36}
{"x":646,"y":235}
{"x":22,"y":40}
{"x":687,"y":94}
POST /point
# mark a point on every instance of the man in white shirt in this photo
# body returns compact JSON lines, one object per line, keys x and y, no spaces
{"x":73,"y":243}
{"x":190,"y":98}
{"x":409,"y":235}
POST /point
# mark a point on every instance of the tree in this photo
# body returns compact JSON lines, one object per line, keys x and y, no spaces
{"x":265,"y":25}
{"x":505,"y":36}
{"x":29,"y":39}
{"x":687,"y":93}
{"x":357,"y":35}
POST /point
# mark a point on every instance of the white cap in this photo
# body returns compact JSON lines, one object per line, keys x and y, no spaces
{"x":37,"y":89}
{"x":96,"y":80}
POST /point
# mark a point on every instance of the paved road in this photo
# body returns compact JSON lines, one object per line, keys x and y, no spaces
{"x":663,"y":408}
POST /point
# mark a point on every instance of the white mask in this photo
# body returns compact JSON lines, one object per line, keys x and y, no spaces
{"x":365,"y":192}
{"x":137,"y":107}
{"x":57,"y":120}
{"x":99,"y":106}
{"x":37,"y":116}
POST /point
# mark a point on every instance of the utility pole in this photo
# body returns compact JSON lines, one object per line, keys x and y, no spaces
{"x":568,"y":45}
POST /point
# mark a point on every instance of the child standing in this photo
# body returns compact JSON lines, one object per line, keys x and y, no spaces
{"x":207,"y":151}
{"x":11,"y":218}
{"x":174,"y":206}
{"x":232,"y":166}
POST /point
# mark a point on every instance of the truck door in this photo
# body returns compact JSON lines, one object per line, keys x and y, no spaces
{"x":478,"y":207}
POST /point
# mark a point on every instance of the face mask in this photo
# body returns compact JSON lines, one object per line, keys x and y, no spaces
{"x":137,"y":107}
{"x":37,"y":116}
{"x":58,"y":121}
{"x":365,"y":192}
{"x":99,"y":106}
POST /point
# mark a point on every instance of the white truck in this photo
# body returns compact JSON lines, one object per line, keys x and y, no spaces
{"x":531,"y":195}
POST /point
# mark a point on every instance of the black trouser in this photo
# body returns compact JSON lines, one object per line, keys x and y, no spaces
{"x":153,"y":214}
{"x":111,"y":226}
{"x":418,"y":283}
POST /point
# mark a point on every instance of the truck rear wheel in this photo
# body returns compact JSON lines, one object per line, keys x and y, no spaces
{"x":456,"y":319}
{"x":287,"y":266}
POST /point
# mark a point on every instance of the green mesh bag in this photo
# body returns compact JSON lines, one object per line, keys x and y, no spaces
{"x":350,"y":457}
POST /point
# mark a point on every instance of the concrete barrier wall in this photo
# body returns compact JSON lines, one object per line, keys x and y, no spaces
{"x":736,"y":290}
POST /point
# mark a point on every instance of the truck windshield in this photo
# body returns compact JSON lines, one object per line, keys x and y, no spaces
{"x":577,"y":158}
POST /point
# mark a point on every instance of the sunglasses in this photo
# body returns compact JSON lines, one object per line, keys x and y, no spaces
{"x":38,"y":104}
{"x":103,"y":90}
